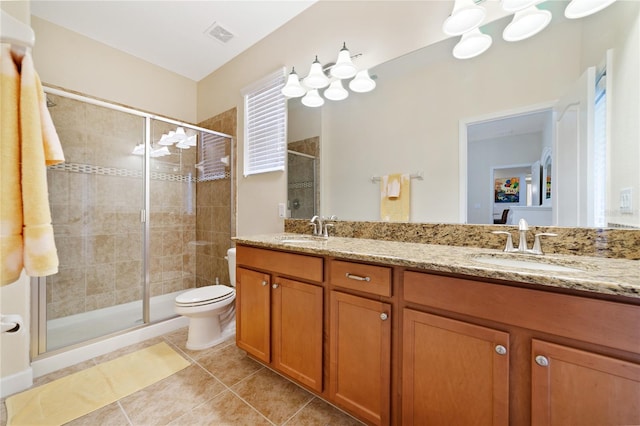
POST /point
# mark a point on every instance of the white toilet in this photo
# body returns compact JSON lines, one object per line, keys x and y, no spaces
{"x":210,"y":310}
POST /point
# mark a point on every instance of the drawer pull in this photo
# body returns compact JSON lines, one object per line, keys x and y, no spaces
{"x":357,"y":277}
{"x":542,"y":361}
{"x":501,"y":350}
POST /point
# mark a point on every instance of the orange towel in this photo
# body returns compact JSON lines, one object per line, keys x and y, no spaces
{"x":29,"y":144}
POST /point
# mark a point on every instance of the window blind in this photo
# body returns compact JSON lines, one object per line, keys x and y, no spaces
{"x":212,"y":151}
{"x":265,"y":125}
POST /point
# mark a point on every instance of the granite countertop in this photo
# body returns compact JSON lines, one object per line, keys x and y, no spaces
{"x":592,"y":274}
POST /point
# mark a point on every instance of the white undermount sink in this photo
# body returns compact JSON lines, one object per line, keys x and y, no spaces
{"x":525,"y":263}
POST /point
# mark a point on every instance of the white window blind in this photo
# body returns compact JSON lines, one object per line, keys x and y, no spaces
{"x":265,"y":125}
{"x":600,"y":151}
{"x":212,"y":151}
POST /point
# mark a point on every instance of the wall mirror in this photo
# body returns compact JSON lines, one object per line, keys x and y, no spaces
{"x":415,"y":120}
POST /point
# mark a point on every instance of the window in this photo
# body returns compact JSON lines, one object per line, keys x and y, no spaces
{"x":265,"y":129}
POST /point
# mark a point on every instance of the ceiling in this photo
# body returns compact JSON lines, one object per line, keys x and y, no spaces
{"x":173,"y":35}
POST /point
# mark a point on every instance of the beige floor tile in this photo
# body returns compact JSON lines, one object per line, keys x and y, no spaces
{"x":226,"y":409}
{"x":275,"y":397}
{"x":172,"y":397}
{"x":319,"y":413}
{"x":3,"y":412}
{"x":42,"y":380}
{"x":111,"y":415}
{"x":229,"y":364}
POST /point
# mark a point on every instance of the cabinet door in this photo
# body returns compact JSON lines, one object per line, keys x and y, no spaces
{"x":453,"y":372}
{"x":574,"y":387}
{"x":360,"y":356}
{"x":253,"y":313}
{"x":297,"y":331}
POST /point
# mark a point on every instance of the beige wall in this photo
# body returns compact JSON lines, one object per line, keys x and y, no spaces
{"x":77,"y":63}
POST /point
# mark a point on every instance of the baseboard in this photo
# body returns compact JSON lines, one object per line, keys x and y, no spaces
{"x":16,"y":382}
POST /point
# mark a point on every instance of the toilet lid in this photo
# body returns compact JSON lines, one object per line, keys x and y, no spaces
{"x":205,"y":295}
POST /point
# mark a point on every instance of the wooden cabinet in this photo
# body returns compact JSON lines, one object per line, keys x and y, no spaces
{"x":454,"y":373}
{"x":360,"y":340}
{"x":360,"y":356}
{"x":576,"y":361}
{"x":571,"y":386}
{"x":280,"y":319}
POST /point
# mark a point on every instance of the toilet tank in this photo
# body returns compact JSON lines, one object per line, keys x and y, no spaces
{"x":231,"y":260}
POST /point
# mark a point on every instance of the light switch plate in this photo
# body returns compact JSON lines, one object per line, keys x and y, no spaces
{"x":626,"y":200}
{"x":282,"y":210}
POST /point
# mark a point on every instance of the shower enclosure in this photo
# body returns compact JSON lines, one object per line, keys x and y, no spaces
{"x":124,"y":208}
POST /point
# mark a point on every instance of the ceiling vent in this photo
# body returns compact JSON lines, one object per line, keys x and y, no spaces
{"x":219,"y":33}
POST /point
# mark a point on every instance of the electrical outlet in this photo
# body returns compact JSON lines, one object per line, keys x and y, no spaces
{"x":626,"y":200}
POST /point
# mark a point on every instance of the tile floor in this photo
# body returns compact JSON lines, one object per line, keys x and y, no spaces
{"x":222,"y":386}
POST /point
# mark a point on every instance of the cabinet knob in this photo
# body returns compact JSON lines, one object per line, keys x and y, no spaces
{"x":264,"y":283}
{"x":501,"y":350}
{"x":542,"y":361}
{"x":384,"y":316}
{"x":275,"y":285}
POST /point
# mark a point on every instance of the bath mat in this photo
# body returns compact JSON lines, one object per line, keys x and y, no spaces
{"x":77,"y":394}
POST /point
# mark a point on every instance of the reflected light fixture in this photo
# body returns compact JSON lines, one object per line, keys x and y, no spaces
{"x":526,"y":23}
{"x":581,"y":8}
{"x":472,"y":44}
{"x":293,"y":88}
{"x":466,"y":16}
{"x":336,"y":92}
{"x":344,"y":67}
{"x":362,"y":83}
{"x":312,"y":99}
{"x":316,"y":79}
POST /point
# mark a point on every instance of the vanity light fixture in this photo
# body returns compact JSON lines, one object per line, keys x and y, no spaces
{"x":293,"y":88}
{"x":466,"y":16}
{"x":312,"y":99}
{"x":331,"y":75}
{"x":362,"y":83}
{"x":526,"y":23}
{"x":336,"y":92}
{"x":344,"y":67}
{"x":316,"y":79}
{"x":581,"y":8}
{"x":472,"y":44}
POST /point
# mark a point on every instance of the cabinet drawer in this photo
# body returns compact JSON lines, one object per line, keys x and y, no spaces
{"x":295,"y":265}
{"x":357,"y":276}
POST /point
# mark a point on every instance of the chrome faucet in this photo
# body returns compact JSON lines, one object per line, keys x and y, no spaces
{"x":523,"y":227}
{"x":316,"y":221}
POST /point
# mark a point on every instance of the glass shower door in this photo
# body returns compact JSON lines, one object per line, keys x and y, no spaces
{"x":96,"y":200}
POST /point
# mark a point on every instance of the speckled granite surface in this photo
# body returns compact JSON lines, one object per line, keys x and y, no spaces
{"x":610,"y":243}
{"x":593,"y":274}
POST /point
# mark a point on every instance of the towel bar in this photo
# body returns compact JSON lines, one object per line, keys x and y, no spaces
{"x":417,"y":175}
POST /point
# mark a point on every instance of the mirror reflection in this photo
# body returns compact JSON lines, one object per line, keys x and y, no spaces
{"x":422,"y":116}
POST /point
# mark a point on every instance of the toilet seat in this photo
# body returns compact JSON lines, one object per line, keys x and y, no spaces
{"x":205,"y":295}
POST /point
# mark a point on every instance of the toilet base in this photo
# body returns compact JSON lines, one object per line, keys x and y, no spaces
{"x":205,"y":332}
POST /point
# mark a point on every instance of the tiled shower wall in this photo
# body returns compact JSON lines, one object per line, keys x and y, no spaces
{"x":96,"y":197}
{"x":215,"y":218}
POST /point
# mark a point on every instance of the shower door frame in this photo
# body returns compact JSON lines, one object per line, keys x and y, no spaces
{"x":38,"y":344}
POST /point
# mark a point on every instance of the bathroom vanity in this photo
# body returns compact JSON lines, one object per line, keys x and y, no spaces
{"x":405,"y":333}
